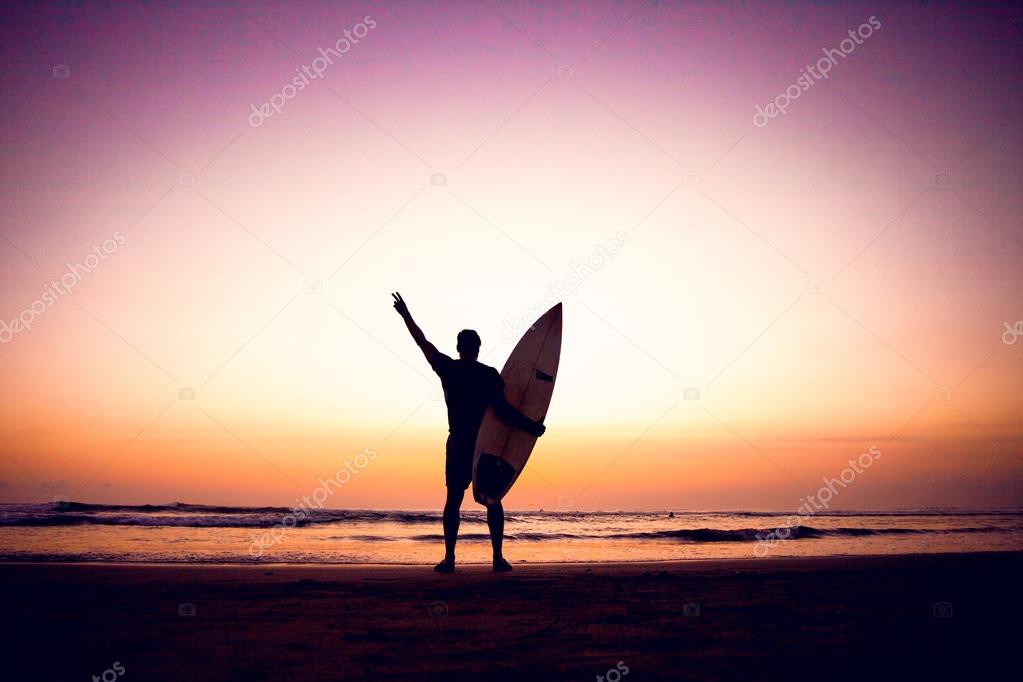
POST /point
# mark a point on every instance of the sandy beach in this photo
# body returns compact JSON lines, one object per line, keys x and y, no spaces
{"x":896,"y":617}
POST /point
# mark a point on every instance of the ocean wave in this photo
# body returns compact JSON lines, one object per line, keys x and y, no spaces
{"x":562,"y":525}
{"x":205,"y":516}
{"x":700,"y":535}
{"x":754,"y":534}
{"x":185,"y":507}
{"x":433,"y":537}
{"x":793,"y":533}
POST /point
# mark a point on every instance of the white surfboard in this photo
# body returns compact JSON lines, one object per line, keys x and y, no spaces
{"x":529,"y":375}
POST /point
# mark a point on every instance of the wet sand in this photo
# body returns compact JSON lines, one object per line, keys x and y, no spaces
{"x":878,"y":618}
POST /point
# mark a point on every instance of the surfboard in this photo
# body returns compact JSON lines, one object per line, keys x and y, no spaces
{"x":529,"y":375}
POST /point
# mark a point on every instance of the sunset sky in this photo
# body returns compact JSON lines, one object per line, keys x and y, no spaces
{"x":783,"y":297}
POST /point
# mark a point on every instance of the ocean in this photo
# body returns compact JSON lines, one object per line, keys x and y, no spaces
{"x":77,"y":532}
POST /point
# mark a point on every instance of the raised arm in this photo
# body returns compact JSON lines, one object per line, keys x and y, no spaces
{"x":429,"y":350}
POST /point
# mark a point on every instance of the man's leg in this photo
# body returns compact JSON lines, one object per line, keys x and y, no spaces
{"x":452,"y":509}
{"x":495,"y":521}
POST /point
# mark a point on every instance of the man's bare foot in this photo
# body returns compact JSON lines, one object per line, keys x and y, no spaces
{"x":501,"y":566}
{"x":446,"y":566}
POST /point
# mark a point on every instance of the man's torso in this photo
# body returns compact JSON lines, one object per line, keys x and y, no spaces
{"x":469,"y":388}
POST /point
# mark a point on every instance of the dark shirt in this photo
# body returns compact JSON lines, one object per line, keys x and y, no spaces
{"x":471,"y":387}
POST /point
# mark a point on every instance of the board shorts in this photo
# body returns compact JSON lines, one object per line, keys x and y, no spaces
{"x":458,"y":462}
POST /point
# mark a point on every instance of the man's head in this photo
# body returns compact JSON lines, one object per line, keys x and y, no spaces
{"x":468,"y":344}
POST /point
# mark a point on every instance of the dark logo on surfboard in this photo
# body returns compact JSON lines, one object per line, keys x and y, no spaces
{"x":549,"y":378}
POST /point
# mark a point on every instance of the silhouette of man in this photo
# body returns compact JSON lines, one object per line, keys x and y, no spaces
{"x":470,"y":387}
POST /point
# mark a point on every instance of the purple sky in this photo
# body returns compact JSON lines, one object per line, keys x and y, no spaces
{"x":815,"y":277}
